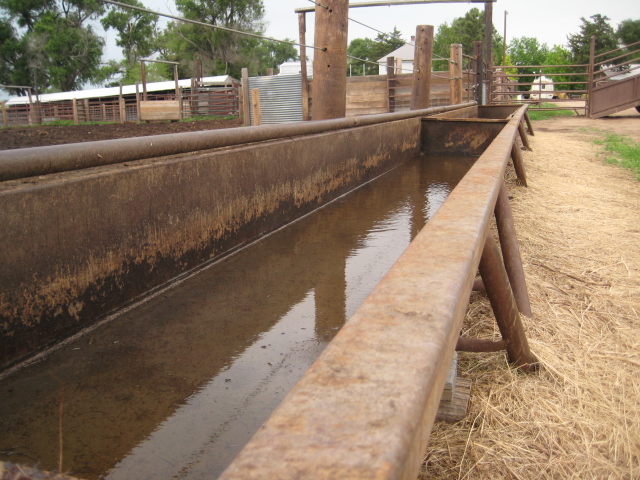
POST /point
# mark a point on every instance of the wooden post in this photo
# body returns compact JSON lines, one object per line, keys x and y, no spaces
{"x":330,"y":63}
{"x":488,"y":36}
{"x":5,"y":117}
{"x":87,"y":111}
{"x":122,"y":107}
{"x":137,"y":101}
{"x":421,"y":92}
{"x":30,"y":106}
{"x":74,"y":107}
{"x":455,"y":74}
{"x":180,"y":103}
{"x":592,"y":72}
{"x":104,"y":112}
{"x":246,"y":115}
{"x":302,"y":26}
{"x":143,"y":69}
{"x":391,"y":83}
{"x":175,"y":79}
{"x":479,"y":67}
{"x":255,"y":105}
{"x":269,"y":72}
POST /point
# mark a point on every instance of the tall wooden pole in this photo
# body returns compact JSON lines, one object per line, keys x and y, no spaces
{"x":330,"y":63}
{"x":504,"y":40}
{"x":143,"y":69}
{"x":246,"y":106}
{"x":592,"y":73}
{"x":488,"y":34}
{"x":421,"y":92}
{"x":302,"y":26}
{"x":455,"y":73}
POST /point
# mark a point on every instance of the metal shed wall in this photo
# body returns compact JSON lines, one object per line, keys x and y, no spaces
{"x":280,"y":98}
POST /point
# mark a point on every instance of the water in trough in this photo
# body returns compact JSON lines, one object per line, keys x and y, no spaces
{"x":175,"y":386}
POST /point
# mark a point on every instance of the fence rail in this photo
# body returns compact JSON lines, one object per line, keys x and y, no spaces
{"x":543,"y":87}
{"x":197,"y":102}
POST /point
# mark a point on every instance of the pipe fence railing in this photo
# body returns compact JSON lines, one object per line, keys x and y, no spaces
{"x":543,"y":87}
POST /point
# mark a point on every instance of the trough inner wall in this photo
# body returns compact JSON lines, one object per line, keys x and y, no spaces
{"x":81,"y":244}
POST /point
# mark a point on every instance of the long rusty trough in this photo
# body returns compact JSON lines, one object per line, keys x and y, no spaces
{"x":89,"y":227}
{"x":366,"y":407}
{"x":99,"y":233}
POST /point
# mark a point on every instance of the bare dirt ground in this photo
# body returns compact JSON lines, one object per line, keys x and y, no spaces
{"x":578,"y":225}
{"x":38,"y":136}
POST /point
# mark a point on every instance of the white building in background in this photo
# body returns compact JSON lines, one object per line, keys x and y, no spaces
{"x":405,"y":52}
{"x":542,"y":84}
{"x":295,"y":68}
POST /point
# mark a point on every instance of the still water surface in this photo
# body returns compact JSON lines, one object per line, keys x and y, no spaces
{"x":174,"y":387}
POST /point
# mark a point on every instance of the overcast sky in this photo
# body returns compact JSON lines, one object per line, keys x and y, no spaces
{"x":550,"y":21}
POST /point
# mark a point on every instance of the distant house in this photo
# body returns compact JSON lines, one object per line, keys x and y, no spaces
{"x":405,"y":52}
{"x":295,"y":68}
{"x":542,"y":84}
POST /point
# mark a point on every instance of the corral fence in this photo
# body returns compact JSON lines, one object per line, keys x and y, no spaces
{"x":196,"y":102}
{"x":543,"y":87}
{"x":609,"y":83}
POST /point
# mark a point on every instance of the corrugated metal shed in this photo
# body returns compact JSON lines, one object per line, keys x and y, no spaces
{"x":280,"y":98}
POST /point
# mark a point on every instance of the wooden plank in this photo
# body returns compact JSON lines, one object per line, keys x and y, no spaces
{"x":456,"y":409}
{"x":255,"y":106}
{"x":160,"y":110}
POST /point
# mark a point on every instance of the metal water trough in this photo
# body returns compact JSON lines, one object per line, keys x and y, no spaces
{"x":366,"y":407}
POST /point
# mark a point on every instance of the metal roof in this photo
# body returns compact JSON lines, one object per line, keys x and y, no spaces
{"x":126,"y":90}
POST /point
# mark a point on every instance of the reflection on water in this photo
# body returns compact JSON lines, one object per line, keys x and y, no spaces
{"x":176,"y":386}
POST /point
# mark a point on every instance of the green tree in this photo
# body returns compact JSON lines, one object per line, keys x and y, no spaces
{"x":56,"y":47}
{"x":13,"y":68}
{"x":580,"y":43}
{"x":372,"y":50}
{"x":220,"y":52}
{"x":560,"y":56}
{"x":265,"y":54}
{"x":464,"y":30}
{"x":137,"y":37}
{"x":628,"y":32}
{"x":528,"y":53}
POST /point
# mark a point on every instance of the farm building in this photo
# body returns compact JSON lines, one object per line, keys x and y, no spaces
{"x":210,"y":96}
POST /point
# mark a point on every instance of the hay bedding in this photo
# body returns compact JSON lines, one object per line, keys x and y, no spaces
{"x":578,"y":226}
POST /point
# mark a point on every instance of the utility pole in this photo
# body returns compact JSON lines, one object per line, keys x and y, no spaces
{"x":421,"y":92}
{"x":504,"y":40}
{"x":330,"y":63}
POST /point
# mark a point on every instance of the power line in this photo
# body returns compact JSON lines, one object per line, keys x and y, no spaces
{"x":195,"y":22}
{"x":363,"y":24}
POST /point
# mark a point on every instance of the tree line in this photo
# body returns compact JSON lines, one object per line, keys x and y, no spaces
{"x":53,"y":45}
{"x":521,"y":51}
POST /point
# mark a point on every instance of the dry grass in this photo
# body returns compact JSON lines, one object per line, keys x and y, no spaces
{"x":578,"y":225}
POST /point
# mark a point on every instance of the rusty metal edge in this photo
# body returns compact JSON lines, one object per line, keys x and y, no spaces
{"x":366,"y":407}
{"x":30,"y":162}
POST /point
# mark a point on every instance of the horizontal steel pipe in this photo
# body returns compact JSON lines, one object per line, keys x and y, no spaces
{"x":30,"y":162}
{"x":366,"y":407}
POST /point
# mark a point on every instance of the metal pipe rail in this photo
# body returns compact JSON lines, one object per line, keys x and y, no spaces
{"x":366,"y":407}
{"x":30,"y":162}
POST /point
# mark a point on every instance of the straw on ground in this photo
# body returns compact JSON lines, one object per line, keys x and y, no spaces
{"x":578,"y":226}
